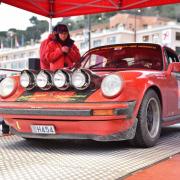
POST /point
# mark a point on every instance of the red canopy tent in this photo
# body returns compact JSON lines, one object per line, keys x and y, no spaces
{"x":60,"y":8}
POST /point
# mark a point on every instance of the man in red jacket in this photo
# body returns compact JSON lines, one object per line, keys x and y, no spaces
{"x":61,"y":51}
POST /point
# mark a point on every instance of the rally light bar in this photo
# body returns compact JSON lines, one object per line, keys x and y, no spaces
{"x":62,"y":79}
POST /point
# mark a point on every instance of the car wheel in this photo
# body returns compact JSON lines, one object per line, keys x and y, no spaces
{"x":149,"y":121}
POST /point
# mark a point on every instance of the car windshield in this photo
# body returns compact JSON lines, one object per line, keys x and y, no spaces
{"x":143,"y":56}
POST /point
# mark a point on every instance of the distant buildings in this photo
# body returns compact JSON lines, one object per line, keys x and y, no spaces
{"x":168,"y":35}
{"x":129,"y":21}
{"x":17,"y":58}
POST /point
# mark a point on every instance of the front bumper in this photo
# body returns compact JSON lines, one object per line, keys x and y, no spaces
{"x":71,"y":120}
{"x":66,"y":110}
{"x":123,"y":135}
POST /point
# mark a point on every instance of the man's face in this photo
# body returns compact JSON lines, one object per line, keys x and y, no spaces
{"x":63,"y":35}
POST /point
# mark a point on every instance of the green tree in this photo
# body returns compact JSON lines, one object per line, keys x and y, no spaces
{"x":34,"y":20}
{"x":33,"y":33}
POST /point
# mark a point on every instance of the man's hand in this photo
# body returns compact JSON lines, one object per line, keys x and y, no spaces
{"x":65,"y":49}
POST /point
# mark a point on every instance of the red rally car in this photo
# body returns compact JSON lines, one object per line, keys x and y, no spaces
{"x":116,"y":92}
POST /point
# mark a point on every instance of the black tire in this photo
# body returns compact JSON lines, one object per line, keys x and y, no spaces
{"x":149,"y":121}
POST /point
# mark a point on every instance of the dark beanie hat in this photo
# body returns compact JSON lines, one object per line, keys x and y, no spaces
{"x":59,"y":28}
{"x":55,"y":28}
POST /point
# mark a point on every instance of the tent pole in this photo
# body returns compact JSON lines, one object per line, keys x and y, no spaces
{"x":89,"y":31}
{"x":50,"y":25}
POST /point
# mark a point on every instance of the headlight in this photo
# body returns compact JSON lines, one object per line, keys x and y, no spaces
{"x":44,"y":80}
{"x":111,"y":85}
{"x":81,"y":79}
{"x":27,"y":79}
{"x":7,"y":87}
{"x":61,"y":79}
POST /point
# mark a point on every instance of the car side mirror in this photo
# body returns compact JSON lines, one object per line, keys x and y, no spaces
{"x":173,"y":68}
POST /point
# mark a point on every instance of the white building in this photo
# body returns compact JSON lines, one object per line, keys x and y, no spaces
{"x":168,"y":35}
{"x":105,"y":37}
{"x":17,"y":59}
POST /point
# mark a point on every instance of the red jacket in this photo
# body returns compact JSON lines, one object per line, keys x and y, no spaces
{"x":43,"y":61}
{"x":58,"y":59}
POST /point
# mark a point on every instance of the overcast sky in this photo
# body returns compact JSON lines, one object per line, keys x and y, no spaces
{"x":11,"y":17}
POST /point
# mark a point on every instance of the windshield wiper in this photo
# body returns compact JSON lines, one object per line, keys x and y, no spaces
{"x":90,"y":67}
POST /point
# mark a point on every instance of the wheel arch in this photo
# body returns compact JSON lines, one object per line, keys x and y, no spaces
{"x":159,"y":94}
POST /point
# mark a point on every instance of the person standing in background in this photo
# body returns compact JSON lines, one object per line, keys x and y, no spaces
{"x":61,"y":51}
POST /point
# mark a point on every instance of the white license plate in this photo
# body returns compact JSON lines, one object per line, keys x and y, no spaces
{"x":43,"y":129}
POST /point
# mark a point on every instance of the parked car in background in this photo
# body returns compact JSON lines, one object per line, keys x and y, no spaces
{"x":116,"y":92}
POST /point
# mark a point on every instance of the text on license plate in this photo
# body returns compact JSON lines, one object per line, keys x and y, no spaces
{"x":43,"y":129}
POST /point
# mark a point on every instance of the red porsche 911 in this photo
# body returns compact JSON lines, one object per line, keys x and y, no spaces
{"x":116,"y":92}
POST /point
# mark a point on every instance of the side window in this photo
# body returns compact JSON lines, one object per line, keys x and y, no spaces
{"x":171,"y":57}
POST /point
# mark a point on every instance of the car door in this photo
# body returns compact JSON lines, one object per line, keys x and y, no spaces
{"x":173,"y":85}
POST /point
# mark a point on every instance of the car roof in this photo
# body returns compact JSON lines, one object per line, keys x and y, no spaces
{"x":131,"y":43}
